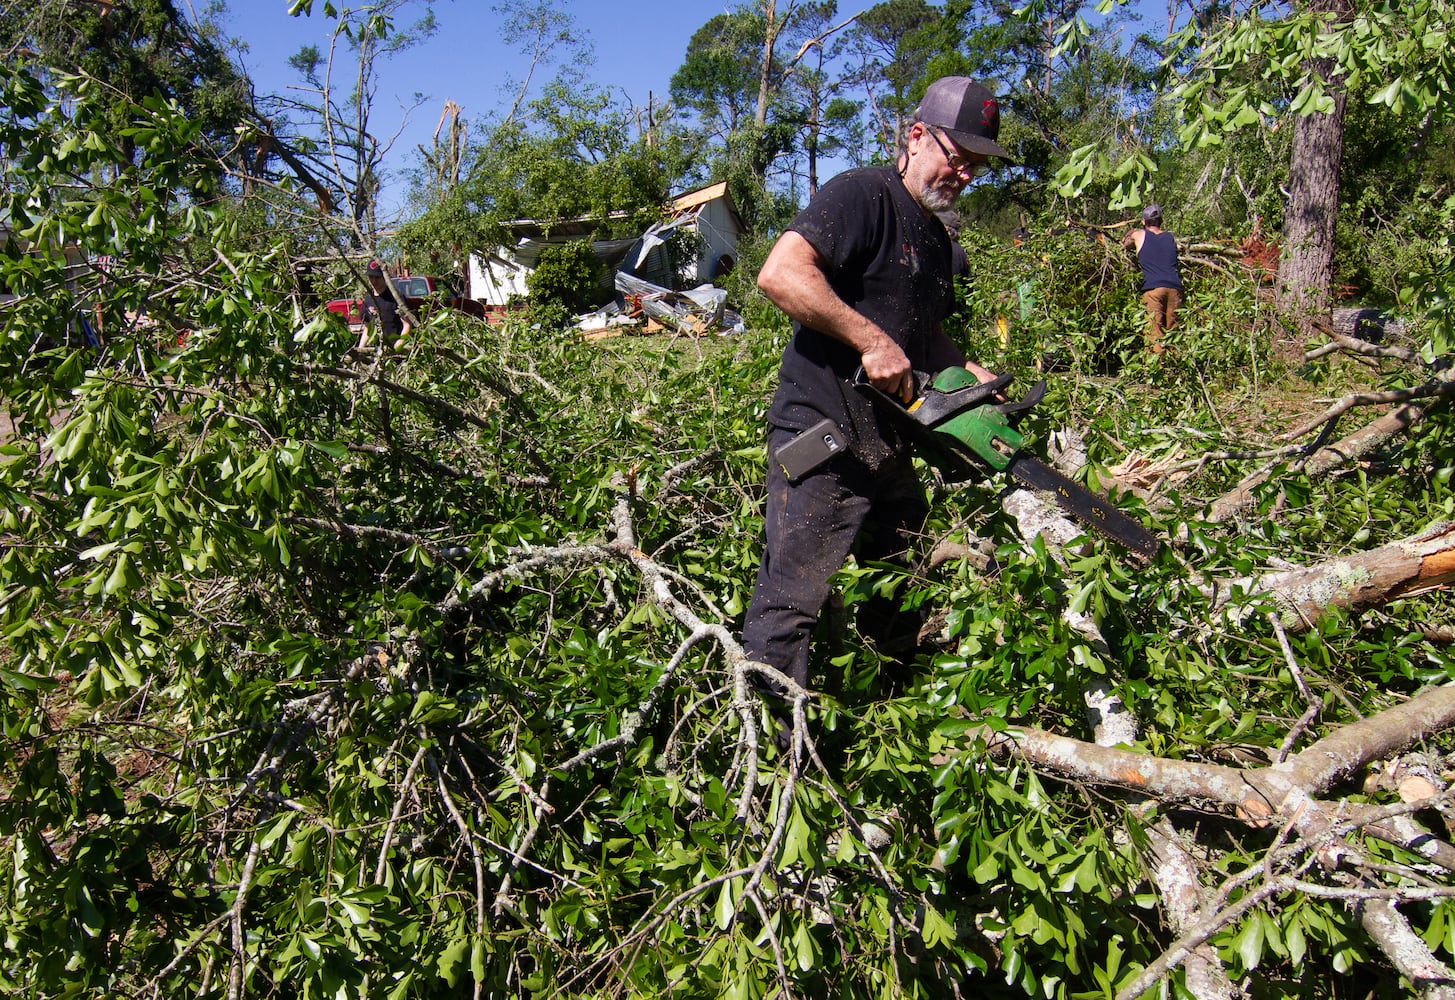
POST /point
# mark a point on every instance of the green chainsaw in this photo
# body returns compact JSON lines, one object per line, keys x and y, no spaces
{"x":957,"y":420}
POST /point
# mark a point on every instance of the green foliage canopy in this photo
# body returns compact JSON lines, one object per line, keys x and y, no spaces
{"x":338,"y":674}
{"x":140,"y":48}
{"x":1238,"y":73}
{"x":572,"y":156}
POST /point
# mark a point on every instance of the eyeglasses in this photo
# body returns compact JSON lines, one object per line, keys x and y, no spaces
{"x":956,"y":162}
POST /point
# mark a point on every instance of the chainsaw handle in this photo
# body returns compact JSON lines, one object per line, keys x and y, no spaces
{"x":947,"y":401}
{"x":1016,"y":408}
{"x":970,"y":395}
{"x":932,"y":406}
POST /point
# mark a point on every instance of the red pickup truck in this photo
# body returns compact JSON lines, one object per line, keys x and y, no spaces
{"x":422,"y":293}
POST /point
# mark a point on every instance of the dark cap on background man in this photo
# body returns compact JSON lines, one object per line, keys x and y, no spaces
{"x":1152,"y":215}
{"x":966,"y":111}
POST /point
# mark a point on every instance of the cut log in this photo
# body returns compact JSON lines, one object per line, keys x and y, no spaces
{"x":1373,"y":325}
{"x":1403,"y":568}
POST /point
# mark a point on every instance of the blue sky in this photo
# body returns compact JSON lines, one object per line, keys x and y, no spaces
{"x":638,"y":45}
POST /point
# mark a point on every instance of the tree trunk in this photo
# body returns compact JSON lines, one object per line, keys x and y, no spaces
{"x":765,"y":70}
{"x":815,"y":127}
{"x":1306,"y":270}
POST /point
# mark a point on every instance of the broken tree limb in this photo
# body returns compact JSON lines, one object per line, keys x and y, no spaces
{"x":1362,"y":348}
{"x":1035,"y":515}
{"x":1288,"y":792}
{"x":1256,"y":794}
{"x":1175,"y":873}
{"x":1192,"y":939}
{"x":1407,"y":567}
{"x":1350,"y":448}
{"x":1314,"y":702}
{"x":1406,"y":951}
{"x":1173,"y":869}
{"x":1438,"y":387}
{"x":1336,"y":757}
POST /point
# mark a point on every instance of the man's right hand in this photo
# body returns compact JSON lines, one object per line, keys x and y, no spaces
{"x":887,"y":368}
{"x":795,"y":279}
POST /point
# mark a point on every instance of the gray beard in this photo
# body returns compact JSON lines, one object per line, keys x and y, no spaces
{"x":934,"y":199}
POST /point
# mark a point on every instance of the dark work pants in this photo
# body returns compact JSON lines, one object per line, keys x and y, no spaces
{"x":810,"y":527}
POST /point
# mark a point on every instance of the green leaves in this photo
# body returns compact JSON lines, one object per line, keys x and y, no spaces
{"x":726,"y":908}
{"x":338,"y":643}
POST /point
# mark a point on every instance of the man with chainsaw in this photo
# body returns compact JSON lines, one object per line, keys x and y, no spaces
{"x":865,"y":273}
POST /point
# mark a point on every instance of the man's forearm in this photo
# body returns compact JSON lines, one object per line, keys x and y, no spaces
{"x":803,"y":292}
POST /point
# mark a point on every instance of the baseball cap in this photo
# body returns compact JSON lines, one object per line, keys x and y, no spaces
{"x":1152,"y":214}
{"x":966,"y":111}
{"x":374,"y":271}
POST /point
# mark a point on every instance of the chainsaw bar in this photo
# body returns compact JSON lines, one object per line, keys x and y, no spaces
{"x":1088,"y":508}
{"x":953,"y":418}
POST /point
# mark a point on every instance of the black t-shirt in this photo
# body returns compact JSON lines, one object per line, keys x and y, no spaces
{"x":383,"y":306}
{"x":890,"y":261}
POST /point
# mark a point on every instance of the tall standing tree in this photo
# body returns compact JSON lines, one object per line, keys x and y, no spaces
{"x":1069,"y":84}
{"x":717,"y":80}
{"x":739,"y":61}
{"x":831,"y":121}
{"x":328,"y":136}
{"x":1306,"y":271}
{"x":889,"y":49}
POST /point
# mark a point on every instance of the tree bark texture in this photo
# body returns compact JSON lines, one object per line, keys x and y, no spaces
{"x":1175,"y":873}
{"x":1306,"y":269}
{"x":1373,"y":325}
{"x":1403,"y":568}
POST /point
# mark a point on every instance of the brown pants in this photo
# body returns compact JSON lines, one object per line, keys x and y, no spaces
{"x":1161,"y":306}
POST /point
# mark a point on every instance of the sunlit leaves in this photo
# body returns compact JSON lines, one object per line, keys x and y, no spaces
{"x":243,"y":658}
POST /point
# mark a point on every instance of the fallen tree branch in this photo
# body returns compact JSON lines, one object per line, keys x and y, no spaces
{"x":1315,"y":704}
{"x":1349,"y":402}
{"x":1255,"y":793}
{"x":1403,"y":568}
{"x":1361,"y":442}
{"x":1406,"y":951}
{"x":373,"y":378}
{"x":1194,"y":938}
{"x":1353,"y":345}
{"x":1287,"y":791}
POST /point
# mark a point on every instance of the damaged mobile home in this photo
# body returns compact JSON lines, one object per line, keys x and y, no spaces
{"x":650,"y":272}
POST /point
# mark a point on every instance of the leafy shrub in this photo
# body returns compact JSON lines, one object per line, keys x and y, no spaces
{"x":566,"y":281}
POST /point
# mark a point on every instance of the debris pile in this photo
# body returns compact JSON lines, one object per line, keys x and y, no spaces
{"x":648,"y":308}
